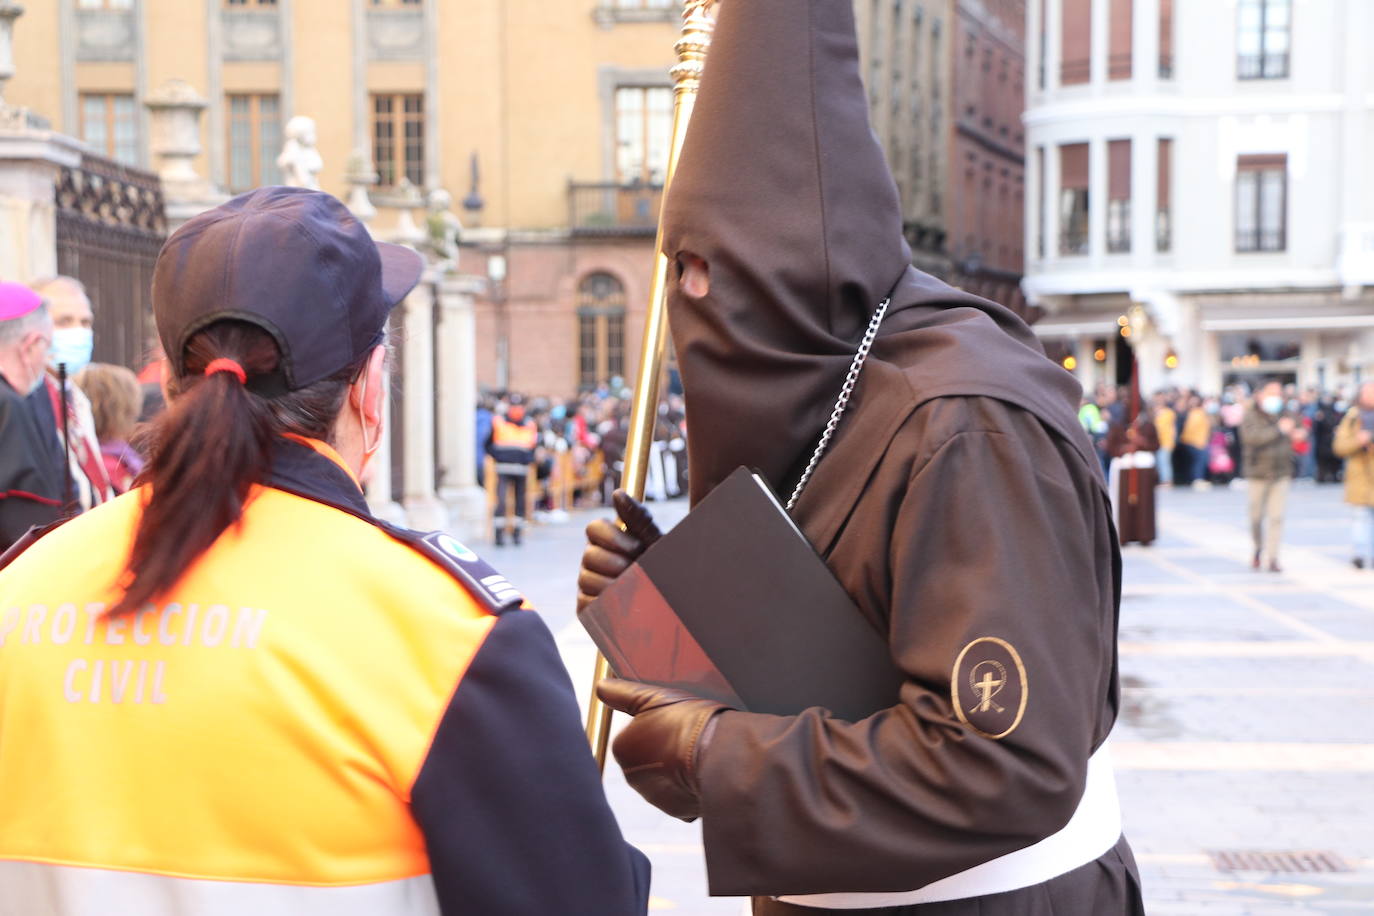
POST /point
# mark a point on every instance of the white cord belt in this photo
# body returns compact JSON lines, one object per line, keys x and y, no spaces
{"x":1094,"y":828}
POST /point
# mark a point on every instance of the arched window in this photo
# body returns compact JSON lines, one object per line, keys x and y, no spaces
{"x":600,"y":329}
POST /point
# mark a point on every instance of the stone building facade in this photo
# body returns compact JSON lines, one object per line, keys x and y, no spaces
{"x":1199,"y":199}
{"x":547,"y":123}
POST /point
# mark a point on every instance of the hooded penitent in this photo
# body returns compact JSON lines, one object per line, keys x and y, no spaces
{"x":960,"y":505}
{"x":784,"y":191}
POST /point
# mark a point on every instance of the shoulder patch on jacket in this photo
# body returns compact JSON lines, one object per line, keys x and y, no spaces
{"x":493,"y":590}
{"x":31,"y":537}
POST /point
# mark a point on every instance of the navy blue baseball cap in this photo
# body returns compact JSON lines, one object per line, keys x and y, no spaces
{"x":298,"y":264}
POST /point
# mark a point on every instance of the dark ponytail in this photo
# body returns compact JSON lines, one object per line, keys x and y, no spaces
{"x":210,"y":446}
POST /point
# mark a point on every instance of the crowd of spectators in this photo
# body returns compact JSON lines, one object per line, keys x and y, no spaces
{"x":1200,"y":439}
{"x":590,"y":432}
{"x":1262,"y":438}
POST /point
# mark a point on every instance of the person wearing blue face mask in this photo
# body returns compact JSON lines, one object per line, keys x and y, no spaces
{"x":31,"y":478}
{"x":60,"y":405}
{"x":1266,"y":435}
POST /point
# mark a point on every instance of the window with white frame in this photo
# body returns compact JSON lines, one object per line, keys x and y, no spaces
{"x":1262,"y":202}
{"x":643,"y":133}
{"x":109,"y":123}
{"x":1263,"y":39}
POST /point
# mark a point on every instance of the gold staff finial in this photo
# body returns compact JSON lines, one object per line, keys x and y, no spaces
{"x":699,"y":22}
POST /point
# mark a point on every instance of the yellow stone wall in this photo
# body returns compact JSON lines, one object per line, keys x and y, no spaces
{"x":518,"y":83}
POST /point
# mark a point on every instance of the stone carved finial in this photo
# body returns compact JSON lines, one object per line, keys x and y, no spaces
{"x":9,"y":11}
{"x":361,"y":175}
{"x":699,"y":22}
{"x":300,"y":161}
{"x":174,"y":111}
{"x":405,"y":199}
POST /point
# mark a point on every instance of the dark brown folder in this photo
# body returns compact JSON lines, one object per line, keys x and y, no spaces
{"x":735,"y":605}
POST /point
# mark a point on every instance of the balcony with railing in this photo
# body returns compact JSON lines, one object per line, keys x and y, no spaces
{"x":607,"y":209}
{"x":1269,"y":65}
{"x":1356,"y":259}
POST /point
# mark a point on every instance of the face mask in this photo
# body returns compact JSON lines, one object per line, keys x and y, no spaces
{"x":71,"y":346}
{"x":1272,"y":405}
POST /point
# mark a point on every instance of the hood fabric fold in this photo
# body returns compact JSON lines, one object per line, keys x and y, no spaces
{"x":783,"y":189}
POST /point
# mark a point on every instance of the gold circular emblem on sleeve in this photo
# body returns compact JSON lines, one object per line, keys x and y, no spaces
{"x":988,"y":687}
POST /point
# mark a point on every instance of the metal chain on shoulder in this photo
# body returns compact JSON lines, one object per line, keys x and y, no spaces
{"x":846,"y":392}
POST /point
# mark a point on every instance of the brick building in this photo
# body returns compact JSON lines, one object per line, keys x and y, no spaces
{"x":987,"y":149}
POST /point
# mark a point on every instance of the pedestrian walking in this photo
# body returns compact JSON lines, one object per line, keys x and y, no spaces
{"x":32,"y":474}
{"x":1354,"y":441}
{"x":1266,"y":436}
{"x":237,"y":691}
{"x":960,"y":503}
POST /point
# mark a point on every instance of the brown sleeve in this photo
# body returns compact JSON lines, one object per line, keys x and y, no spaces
{"x":999,"y":537}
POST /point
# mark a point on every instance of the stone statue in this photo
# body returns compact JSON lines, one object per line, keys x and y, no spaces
{"x":444,"y":228}
{"x":300,"y":161}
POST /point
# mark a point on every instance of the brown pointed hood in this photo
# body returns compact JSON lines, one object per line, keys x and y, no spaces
{"x":783,"y":189}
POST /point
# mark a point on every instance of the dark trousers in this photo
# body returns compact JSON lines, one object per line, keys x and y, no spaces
{"x":505,"y":483}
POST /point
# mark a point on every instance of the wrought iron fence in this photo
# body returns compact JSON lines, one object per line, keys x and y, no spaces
{"x":110,"y":226}
{"x":1268,"y":65}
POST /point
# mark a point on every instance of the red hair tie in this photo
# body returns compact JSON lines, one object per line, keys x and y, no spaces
{"x":227,"y":365}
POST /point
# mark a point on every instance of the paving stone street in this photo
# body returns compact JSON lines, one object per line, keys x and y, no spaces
{"x":1248,"y":710}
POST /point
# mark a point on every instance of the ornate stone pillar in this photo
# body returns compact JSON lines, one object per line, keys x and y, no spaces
{"x":9,"y":11}
{"x":174,"y":112}
{"x":461,"y":493}
{"x":423,"y":508}
{"x":32,"y":160}
{"x":31,"y":164}
{"x":361,"y":176}
{"x":377,"y":485}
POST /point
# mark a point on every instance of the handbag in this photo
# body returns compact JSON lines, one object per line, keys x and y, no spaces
{"x":1219,"y":459}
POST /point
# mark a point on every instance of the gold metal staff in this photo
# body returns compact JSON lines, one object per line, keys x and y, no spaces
{"x":698,"y":24}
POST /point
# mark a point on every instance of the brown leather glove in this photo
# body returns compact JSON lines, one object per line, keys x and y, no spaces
{"x":659,"y":750}
{"x":611,"y":550}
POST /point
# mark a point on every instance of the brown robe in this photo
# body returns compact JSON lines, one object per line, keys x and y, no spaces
{"x":960,"y":502}
{"x":1134,"y":487}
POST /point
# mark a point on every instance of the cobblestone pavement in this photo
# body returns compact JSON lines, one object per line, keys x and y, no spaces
{"x":1248,"y":710}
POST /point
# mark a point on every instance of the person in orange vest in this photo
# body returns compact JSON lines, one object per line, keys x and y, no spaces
{"x":514,"y":437}
{"x":235,"y":690}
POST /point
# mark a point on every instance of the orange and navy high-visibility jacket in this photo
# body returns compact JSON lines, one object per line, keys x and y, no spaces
{"x":512,"y":445}
{"x":324,"y":716}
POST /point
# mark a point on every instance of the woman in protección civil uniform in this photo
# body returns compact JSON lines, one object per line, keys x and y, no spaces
{"x":232,"y":690}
